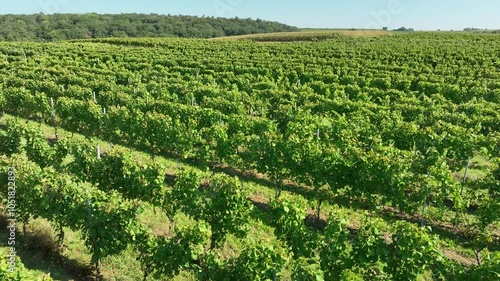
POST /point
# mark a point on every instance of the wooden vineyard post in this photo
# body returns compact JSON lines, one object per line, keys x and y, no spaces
{"x":423,"y":212}
{"x":105,"y":126}
{"x":24,"y":53}
{"x":60,"y":237}
{"x":277,"y":188}
{"x":89,"y":221}
{"x":178,"y":159}
{"x":54,"y":118}
{"x":464,"y":180}
{"x":98,"y":269}
{"x":424,"y":206}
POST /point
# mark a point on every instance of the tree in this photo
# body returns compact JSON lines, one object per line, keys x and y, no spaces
{"x":40,"y":27}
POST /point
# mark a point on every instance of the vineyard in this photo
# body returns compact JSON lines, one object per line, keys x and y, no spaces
{"x":351,"y":158}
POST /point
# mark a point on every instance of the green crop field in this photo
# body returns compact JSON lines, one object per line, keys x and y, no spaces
{"x":308,"y":35}
{"x":329,"y":155}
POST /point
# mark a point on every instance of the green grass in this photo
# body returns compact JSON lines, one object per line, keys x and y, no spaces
{"x":34,"y":250}
{"x":122,"y":267}
{"x":478,"y":166}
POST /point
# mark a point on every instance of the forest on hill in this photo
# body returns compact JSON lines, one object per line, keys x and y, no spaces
{"x":56,"y":27}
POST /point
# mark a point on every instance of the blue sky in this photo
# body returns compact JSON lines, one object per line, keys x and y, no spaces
{"x":418,"y":14}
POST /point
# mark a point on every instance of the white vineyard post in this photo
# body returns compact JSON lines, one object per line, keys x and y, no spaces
{"x":317,"y":138}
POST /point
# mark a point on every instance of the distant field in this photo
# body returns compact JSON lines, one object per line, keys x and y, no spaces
{"x":307,"y":35}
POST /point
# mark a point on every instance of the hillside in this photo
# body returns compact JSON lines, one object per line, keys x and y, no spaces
{"x":41,"y":27}
{"x":189,"y":159}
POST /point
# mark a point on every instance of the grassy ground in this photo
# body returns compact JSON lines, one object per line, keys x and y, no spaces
{"x":73,"y":263}
{"x":35,"y":250}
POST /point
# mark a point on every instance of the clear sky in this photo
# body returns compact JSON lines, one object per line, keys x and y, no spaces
{"x":417,"y":14}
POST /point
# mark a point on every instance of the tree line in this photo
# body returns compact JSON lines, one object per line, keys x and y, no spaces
{"x":56,"y":27}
